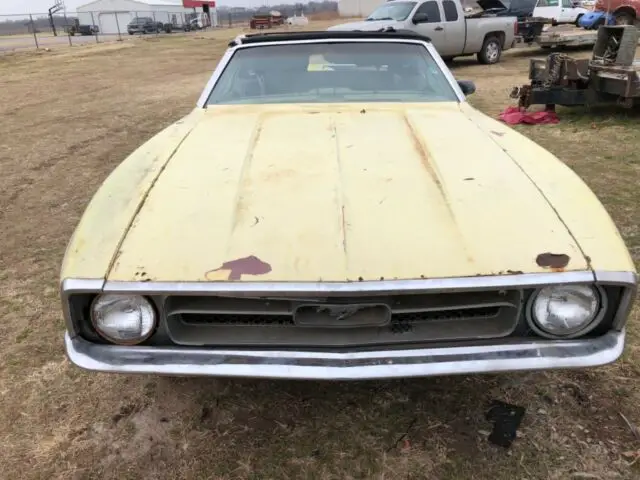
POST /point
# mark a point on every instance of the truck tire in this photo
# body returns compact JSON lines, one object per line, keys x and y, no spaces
{"x":491,"y":51}
{"x":624,"y":18}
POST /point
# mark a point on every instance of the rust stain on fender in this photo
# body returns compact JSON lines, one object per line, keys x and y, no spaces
{"x":234,"y":269}
{"x":555,"y":261}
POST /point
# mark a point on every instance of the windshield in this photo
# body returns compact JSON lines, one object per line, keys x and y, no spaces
{"x":330,"y":73}
{"x":397,"y":11}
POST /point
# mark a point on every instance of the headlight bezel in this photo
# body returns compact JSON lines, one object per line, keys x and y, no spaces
{"x":114,"y":341}
{"x":597,"y":319}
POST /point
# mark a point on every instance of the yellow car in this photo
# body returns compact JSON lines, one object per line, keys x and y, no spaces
{"x":333,"y":208}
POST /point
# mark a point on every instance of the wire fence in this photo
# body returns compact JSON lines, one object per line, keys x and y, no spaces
{"x":42,"y":31}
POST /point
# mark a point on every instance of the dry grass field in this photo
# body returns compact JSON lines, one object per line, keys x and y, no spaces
{"x":67,"y":117}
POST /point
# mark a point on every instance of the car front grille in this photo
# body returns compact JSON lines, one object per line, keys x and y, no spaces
{"x":342,"y":321}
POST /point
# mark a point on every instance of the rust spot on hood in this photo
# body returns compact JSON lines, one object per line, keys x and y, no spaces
{"x":234,"y":269}
{"x":554,"y":261}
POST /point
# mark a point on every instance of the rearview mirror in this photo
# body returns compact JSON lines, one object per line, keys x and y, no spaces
{"x":467,"y":86}
{"x":420,"y":18}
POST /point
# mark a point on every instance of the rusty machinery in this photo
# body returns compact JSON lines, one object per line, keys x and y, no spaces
{"x":610,"y":76}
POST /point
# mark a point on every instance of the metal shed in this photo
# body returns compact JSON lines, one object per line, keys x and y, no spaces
{"x":113,"y":16}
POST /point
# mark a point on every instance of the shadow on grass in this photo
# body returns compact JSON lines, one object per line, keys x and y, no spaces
{"x":536,"y":50}
{"x":613,"y":114}
{"x":355,"y":425}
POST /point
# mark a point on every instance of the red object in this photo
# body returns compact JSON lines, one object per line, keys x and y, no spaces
{"x":628,"y":8}
{"x":198,"y":3}
{"x":514,"y":116}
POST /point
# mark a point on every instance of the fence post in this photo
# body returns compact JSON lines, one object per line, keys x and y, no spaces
{"x":118,"y":27}
{"x":155,"y":23}
{"x":93,"y":24}
{"x":66,"y":24}
{"x":33,"y":29}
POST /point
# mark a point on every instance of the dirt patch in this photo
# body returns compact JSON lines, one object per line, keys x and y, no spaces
{"x":69,"y":117}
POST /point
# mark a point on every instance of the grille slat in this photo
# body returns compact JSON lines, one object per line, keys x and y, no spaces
{"x":223,"y":321}
{"x":237,"y":319}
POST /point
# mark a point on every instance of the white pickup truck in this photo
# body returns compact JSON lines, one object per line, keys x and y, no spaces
{"x":559,"y":11}
{"x":452,"y":33}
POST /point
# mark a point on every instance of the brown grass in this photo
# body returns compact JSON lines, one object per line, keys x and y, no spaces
{"x":67,"y":117}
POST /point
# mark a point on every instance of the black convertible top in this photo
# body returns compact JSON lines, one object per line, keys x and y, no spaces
{"x":255,"y":38}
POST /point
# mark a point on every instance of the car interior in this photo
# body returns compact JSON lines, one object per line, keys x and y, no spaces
{"x":327,"y":73}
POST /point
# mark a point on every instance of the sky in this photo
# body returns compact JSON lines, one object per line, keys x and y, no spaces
{"x":13,"y":7}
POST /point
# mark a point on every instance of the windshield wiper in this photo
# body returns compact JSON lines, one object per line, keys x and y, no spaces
{"x":376,"y":19}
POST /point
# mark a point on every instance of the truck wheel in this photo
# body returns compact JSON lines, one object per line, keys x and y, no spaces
{"x":491,"y":51}
{"x":624,"y":18}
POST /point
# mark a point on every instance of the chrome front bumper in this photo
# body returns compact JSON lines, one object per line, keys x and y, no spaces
{"x":536,"y":355}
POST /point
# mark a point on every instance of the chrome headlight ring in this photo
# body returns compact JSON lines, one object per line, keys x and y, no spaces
{"x":123,"y":319}
{"x":559,"y":295}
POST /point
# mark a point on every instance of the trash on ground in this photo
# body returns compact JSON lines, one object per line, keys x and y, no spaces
{"x":506,"y":419}
{"x":515,"y":115}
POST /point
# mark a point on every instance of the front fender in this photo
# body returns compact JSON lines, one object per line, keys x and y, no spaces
{"x":108,"y":216}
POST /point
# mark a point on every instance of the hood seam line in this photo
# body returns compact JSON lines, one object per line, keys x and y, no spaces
{"x":537,"y":187}
{"x":118,"y":249}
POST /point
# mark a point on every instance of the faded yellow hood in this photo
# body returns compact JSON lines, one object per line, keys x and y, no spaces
{"x":341,"y":192}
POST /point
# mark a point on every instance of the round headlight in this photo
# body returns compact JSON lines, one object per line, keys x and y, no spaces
{"x":565,"y":310}
{"x":123,"y":319}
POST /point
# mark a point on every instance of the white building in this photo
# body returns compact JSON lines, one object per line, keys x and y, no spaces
{"x":113,"y":16}
{"x":357,"y":8}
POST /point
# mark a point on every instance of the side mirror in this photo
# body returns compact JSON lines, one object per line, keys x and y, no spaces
{"x":420,"y":18}
{"x":467,"y":86}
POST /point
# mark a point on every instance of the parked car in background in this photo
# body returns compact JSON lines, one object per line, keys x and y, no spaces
{"x":528,"y":27}
{"x":625,"y":12}
{"x":266,"y":20}
{"x":593,"y":20}
{"x":172,"y":27}
{"x":298,"y":20}
{"x":76,"y":28}
{"x":143,"y":25}
{"x":588,"y":4}
{"x":342,"y":257}
{"x":559,"y":11}
{"x":452,"y":32}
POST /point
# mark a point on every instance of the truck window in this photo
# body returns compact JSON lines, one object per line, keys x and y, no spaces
{"x":566,"y":4}
{"x":450,"y":11}
{"x":432,"y":11}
